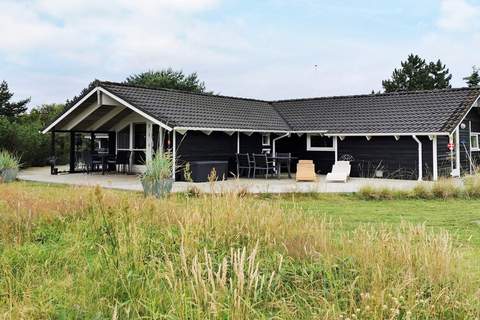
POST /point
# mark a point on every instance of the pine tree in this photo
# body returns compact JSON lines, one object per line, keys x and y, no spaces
{"x":170,"y":79}
{"x":10,"y":109}
{"x":416,"y":74}
{"x":473,"y":80}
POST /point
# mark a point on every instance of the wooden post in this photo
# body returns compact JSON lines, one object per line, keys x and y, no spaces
{"x":174,"y":152}
{"x":52,"y":153}
{"x":149,"y":141}
{"x":72,"y":152}
{"x":435,"y":159}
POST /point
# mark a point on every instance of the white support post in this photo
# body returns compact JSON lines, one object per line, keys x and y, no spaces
{"x":420,"y":158}
{"x":174,"y":153}
{"x":130,"y":145}
{"x":457,"y":149}
{"x":335,"y":146}
{"x":435,"y":158}
{"x":160,"y":140}
{"x":238,"y":141}
{"x":149,"y":142}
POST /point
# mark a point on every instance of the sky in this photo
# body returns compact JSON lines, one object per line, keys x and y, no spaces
{"x":268,"y":49}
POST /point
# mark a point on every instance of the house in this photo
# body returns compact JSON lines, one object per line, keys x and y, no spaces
{"x":399,"y":135}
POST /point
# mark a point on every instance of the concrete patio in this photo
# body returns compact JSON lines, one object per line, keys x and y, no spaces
{"x":284,"y":185}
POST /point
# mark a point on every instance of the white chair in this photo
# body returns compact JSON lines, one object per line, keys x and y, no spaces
{"x":340,"y":172}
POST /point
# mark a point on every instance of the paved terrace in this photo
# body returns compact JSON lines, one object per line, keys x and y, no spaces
{"x":273,"y":185}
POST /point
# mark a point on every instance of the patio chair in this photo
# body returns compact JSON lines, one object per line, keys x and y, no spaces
{"x":340,"y":172}
{"x":284,"y":163}
{"x":123,"y":161}
{"x":243,"y":162}
{"x":261,"y":163}
{"x":92,"y":161}
{"x":306,"y":171}
{"x":111,"y":162}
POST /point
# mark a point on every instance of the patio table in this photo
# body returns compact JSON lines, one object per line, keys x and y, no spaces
{"x":281,"y":159}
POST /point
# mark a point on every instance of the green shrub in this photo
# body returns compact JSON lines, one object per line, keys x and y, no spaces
{"x":446,"y":188}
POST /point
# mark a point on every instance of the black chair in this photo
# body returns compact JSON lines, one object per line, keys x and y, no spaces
{"x":261,"y":162}
{"x":123,"y":161}
{"x":284,"y":163}
{"x":111,"y":162}
{"x":243,"y":162}
{"x":92,"y":162}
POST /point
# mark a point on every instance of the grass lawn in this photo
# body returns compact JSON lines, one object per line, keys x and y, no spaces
{"x":86,"y":253}
{"x":459,"y":216}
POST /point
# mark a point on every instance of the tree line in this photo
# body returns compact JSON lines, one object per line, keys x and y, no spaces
{"x":20,"y":128}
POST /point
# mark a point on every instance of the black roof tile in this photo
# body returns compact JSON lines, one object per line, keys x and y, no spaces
{"x":436,"y":111}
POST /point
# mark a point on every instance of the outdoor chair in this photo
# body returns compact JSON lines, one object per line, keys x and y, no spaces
{"x":284,"y":163}
{"x":340,"y":172}
{"x":92,"y":161}
{"x":305,"y":171}
{"x":261,"y":163}
{"x":123,"y":161}
{"x":243,"y":163}
{"x":111,"y":162}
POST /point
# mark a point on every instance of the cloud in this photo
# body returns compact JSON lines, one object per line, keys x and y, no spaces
{"x":51,"y":49}
{"x":458,"y":15}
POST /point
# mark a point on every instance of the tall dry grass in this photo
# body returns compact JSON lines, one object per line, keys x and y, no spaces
{"x":92,"y":253}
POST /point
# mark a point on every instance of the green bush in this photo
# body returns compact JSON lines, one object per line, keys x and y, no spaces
{"x":22,"y":137}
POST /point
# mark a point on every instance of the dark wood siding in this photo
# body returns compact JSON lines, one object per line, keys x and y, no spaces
{"x":398,"y":159}
{"x":297,"y":145}
{"x":197,"y":146}
{"x":472,"y":123}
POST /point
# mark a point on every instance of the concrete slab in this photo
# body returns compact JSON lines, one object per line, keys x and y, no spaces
{"x":283,"y":185}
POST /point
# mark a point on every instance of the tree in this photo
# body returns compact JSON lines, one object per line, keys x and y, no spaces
{"x":169,"y":79}
{"x":417,"y":74}
{"x":473,"y":80}
{"x":10,"y":109}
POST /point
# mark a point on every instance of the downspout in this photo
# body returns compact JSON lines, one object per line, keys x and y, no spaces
{"x":420,"y":160}
{"x":275,"y":140}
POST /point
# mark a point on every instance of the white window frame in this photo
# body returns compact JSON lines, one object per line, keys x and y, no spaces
{"x":476,"y":135}
{"x":310,"y":148}
{"x":267,"y":136}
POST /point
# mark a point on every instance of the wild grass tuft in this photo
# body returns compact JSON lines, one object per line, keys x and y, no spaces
{"x":90,"y":253}
{"x":8,"y":160}
{"x":446,"y":188}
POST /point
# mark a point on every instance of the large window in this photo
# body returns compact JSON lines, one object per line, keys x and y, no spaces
{"x":320,"y":143}
{"x":474,"y":141}
{"x":123,"y":138}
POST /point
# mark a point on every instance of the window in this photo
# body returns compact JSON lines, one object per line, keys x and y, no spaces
{"x":265,"y":139}
{"x":123,"y":138}
{"x":474,"y":141}
{"x":320,"y":143}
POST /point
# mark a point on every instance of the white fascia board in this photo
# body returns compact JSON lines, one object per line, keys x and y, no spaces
{"x":387,"y":134}
{"x":229,"y":130}
{"x":143,"y":114}
{"x":75,"y":106}
{"x":475,"y":104}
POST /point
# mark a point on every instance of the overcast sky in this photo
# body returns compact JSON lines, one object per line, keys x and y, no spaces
{"x":271,"y":49}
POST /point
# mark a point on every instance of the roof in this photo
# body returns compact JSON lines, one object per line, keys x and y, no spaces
{"x":416,"y":112}
{"x":184,"y":109}
{"x":435,"y":111}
